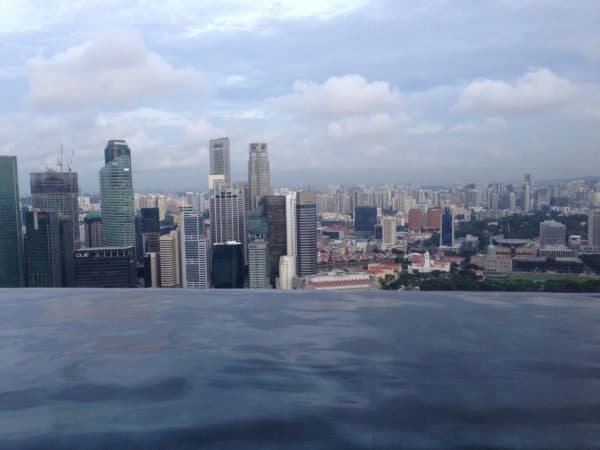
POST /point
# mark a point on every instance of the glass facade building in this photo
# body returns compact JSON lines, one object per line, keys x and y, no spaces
{"x":306,"y":234}
{"x":259,"y":176}
{"x":117,"y":199}
{"x":365,"y":219}
{"x":258,"y":264}
{"x":447,"y":234}
{"x":228,"y":265}
{"x":273,"y":207}
{"x":11,"y":237}
{"x":57,"y":192}
{"x":106,"y":267}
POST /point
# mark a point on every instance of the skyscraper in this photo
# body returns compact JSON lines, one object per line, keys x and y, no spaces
{"x":57,"y":192}
{"x":228,"y":265}
{"x":117,"y":199}
{"x":258,"y":264}
{"x":42,"y":249}
{"x":388,"y":231}
{"x":170,"y":272}
{"x":227,"y":215}
{"x":259,"y":181}
{"x":290,"y":224}
{"x":287,"y":271}
{"x":11,"y":237}
{"x":195,"y":250}
{"x":526,"y":194}
{"x":92,"y":225}
{"x":594,"y":228}
{"x":365,"y":218}
{"x":218,"y":150}
{"x":274,"y":209}
{"x":447,"y":234}
{"x":306,"y":234}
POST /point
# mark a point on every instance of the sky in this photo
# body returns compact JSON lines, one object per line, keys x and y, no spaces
{"x":343,"y":91}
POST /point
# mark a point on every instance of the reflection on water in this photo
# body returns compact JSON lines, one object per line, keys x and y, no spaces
{"x":241,"y":369}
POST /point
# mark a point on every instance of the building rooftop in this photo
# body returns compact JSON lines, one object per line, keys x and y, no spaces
{"x":153,"y":369}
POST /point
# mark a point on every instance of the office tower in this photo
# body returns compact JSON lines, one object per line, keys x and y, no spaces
{"x":258,"y":264}
{"x":106,"y":267}
{"x":433,"y":219}
{"x":257,"y":225}
{"x":287,"y":271}
{"x":116,"y":192}
{"x":93,"y":230}
{"x":116,"y":148}
{"x":42,"y":249}
{"x":150,"y":230}
{"x":306,"y":234}
{"x":415,"y":219}
{"x":57,"y":192}
{"x":512,"y":201}
{"x":219,"y":158}
{"x":447,"y":233}
{"x":194,"y":250}
{"x":365,"y":218}
{"x":526,"y":194}
{"x":170,"y":272}
{"x":228,"y":265}
{"x":290,"y":223}
{"x":594,"y":228}
{"x":151,"y":270}
{"x":388,"y":225}
{"x":227,"y":215}
{"x":552,"y":233}
{"x":11,"y":236}
{"x":274,"y":210}
{"x":472,"y":196}
{"x":259,"y":181}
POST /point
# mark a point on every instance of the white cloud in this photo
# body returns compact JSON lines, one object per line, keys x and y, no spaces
{"x":352,"y":127}
{"x":343,"y":96}
{"x":489,"y":125}
{"x":536,"y":90}
{"x":116,"y":70}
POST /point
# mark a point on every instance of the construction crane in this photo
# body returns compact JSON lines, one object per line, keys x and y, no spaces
{"x":59,"y":160}
{"x":70,"y":164}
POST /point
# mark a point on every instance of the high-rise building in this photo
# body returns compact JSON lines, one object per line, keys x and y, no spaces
{"x":219,"y":158}
{"x":552,"y":233}
{"x":93,"y":230}
{"x":365,"y":219}
{"x":258,"y":264}
{"x":106,"y":267}
{"x":195,"y":250}
{"x":415,"y":219}
{"x":388,"y":225}
{"x":228,"y":265}
{"x":257,"y":224}
{"x":11,"y":236}
{"x":57,"y":192}
{"x":306,"y":234}
{"x":447,"y":233}
{"x":287,"y":271}
{"x":227,"y":215}
{"x":117,"y":200}
{"x":594,"y":228}
{"x":274,"y":210}
{"x":151,"y":270}
{"x":290,"y":223}
{"x":170,"y":272}
{"x":433,"y":219}
{"x":526,"y":194}
{"x":150,"y":230}
{"x":259,"y":181}
{"x":42,"y":249}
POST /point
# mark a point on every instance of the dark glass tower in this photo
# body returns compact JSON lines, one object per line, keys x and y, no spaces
{"x":57,"y":192}
{"x":105,"y":267}
{"x":11,"y":238}
{"x":365,"y":219}
{"x":273,"y":207}
{"x":447,"y":235}
{"x":43,"y":249}
{"x":228,"y":265}
{"x":115,"y":148}
{"x":306,"y":234}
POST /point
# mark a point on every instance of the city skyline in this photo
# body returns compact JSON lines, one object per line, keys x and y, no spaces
{"x":515,"y":90}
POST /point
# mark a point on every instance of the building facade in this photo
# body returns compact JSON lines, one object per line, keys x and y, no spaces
{"x":11,"y":236}
{"x":106,"y":267}
{"x":259,"y":176}
{"x":447,"y":231}
{"x":594,"y":228}
{"x":274,"y":210}
{"x":170,"y":272}
{"x":388,"y":226}
{"x":552,"y":233}
{"x":258,"y":264}
{"x":227,"y":215}
{"x":57,"y":192}
{"x":306,"y":234}
{"x":365,"y":219}
{"x":117,"y":199}
{"x":195,"y":250}
{"x":219,"y":158}
{"x":228,"y":265}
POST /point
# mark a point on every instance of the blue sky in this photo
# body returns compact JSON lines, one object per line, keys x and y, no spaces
{"x":343,"y":91}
